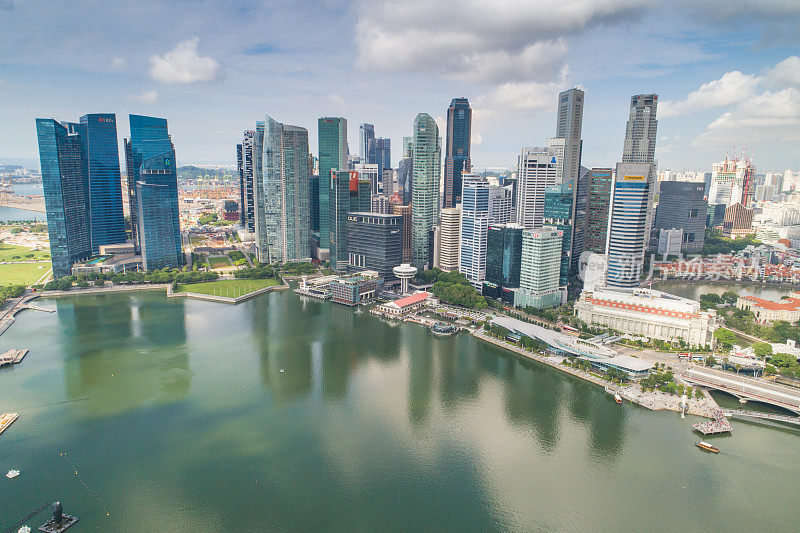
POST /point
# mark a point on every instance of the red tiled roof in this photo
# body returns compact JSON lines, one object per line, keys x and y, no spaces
{"x":642,"y":309}
{"x":410,"y":300}
{"x":790,"y":304}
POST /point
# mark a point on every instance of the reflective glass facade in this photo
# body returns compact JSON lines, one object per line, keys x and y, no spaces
{"x":66,"y":194}
{"x":101,"y":153}
{"x":457,"y":149}
{"x":332,"y":156}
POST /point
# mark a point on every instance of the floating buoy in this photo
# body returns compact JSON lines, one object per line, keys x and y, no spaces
{"x":281,"y":370}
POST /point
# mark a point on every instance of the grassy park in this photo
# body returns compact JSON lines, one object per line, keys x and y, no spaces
{"x":218,"y":261}
{"x":11,"y":252}
{"x":232,"y":288}
{"x":22,"y":273}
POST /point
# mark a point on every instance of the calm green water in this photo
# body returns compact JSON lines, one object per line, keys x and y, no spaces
{"x":177,"y":418}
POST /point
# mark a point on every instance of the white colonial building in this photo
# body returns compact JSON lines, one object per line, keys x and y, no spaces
{"x":647,"y":313}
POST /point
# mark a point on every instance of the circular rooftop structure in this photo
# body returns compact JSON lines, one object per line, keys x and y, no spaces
{"x":405,"y":271}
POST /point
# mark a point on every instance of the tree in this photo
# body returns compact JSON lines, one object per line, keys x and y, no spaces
{"x":730,"y":297}
{"x":725,"y":337}
{"x":710,"y":361}
{"x":762,"y":349}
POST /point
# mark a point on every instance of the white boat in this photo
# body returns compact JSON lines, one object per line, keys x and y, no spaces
{"x":12,"y":474}
{"x":617,"y":398}
{"x":24,"y":529}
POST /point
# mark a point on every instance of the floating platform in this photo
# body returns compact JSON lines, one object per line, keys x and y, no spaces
{"x":12,"y":357}
{"x":50,"y":526}
{"x":719,"y":424}
{"x":6,"y":419}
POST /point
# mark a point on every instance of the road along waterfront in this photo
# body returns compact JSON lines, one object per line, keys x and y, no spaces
{"x":177,"y":416}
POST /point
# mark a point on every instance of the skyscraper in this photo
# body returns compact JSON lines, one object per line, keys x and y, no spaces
{"x":627,"y":234}
{"x":259,"y":208}
{"x":247,"y":214}
{"x":405,"y":173}
{"x":568,"y":127}
{"x":425,"y":187}
{"x":537,"y":169}
{"x":332,"y":156}
{"x":457,"y":161}
{"x":366,"y":132}
{"x":449,"y":245}
{"x":540,"y":268}
{"x":732,"y":182}
{"x":405,"y":212}
{"x":286,"y":194}
{"x":66,"y":194}
{"x":558,"y":214}
{"x":631,"y":212}
{"x":682,"y":205}
{"x":349,"y":194}
{"x":474,"y":227}
{"x":597,"y":209}
{"x":501,"y":204}
{"x":381,"y":155}
{"x":156,"y":197}
{"x":374,"y":242}
{"x":101,"y":155}
{"x":503,"y":260}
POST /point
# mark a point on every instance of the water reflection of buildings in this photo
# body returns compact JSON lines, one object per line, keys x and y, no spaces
{"x":115,"y":369}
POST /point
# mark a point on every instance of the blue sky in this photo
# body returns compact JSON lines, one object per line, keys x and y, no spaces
{"x":727,"y":72}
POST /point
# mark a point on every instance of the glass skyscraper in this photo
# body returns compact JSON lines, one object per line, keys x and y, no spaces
{"x":366,"y":132}
{"x":101,"y":153}
{"x":503,"y":258}
{"x":597,"y":209}
{"x":381,"y":155}
{"x":558,"y":213}
{"x":425,"y":188}
{"x":286,"y":202}
{"x":348,"y":194}
{"x":66,"y":194}
{"x":474,"y":227}
{"x":156,"y":192}
{"x":457,"y":161}
{"x":332,"y":147}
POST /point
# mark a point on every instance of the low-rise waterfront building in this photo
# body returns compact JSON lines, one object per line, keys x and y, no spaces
{"x":765,"y":311}
{"x":647,"y":313}
{"x":355,"y":290}
{"x":400,"y":307}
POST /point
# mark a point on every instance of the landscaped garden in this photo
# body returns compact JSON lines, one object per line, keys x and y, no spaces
{"x":232,"y":288}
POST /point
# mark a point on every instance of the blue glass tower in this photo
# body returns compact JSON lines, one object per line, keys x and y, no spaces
{"x":66,"y":193}
{"x":380,"y":151}
{"x":98,"y":133}
{"x":155,"y":197}
{"x":456,"y":158}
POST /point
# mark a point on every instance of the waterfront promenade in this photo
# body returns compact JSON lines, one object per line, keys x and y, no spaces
{"x":653,"y":400}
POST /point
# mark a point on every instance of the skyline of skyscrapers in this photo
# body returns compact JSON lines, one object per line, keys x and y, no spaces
{"x":332,"y":146}
{"x":474,"y":227}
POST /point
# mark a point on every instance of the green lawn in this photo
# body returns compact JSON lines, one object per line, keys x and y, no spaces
{"x":11,"y":252}
{"x":228,"y":287}
{"x":218,"y":261}
{"x":22,"y":273}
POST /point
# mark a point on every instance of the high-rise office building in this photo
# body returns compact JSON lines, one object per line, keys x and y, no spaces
{"x":558,"y":213}
{"x":457,"y":148}
{"x":332,"y":156}
{"x":405,"y":173}
{"x":366,"y":132}
{"x":501,"y":204}
{"x":368,"y":172}
{"x":374,"y":242}
{"x":474,"y":227}
{"x":568,"y":127}
{"x":313,"y":202}
{"x":537,"y":169}
{"x":682,"y":205}
{"x":381,"y":155}
{"x":503,"y":260}
{"x":628,"y":234}
{"x":631,"y":211}
{"x":597,"y":209}
{"x":259,"y":209}
{"x":540,"y":269}
{"x":66,"y":194}
{"x":101,"y":154}
{"x":150,"y":159}
{"x":405,"y":212}
{"x":349,"y":194}
{"x":449,"y":239}
{"x":379,"y":204}
{"x":580,"y":217}
{"x":286,"y":183}
{"x":247,"y":213}
{"x":425,"y":188}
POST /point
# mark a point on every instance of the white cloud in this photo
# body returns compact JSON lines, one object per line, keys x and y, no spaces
{"x":785,"y":73}
{"x":183,"y":64}
{"x":733,"y":87}
{"x":145,"y":97}
{"x":118,"y":63}
{"x":498,"y":41}
{"x":338,"y":101}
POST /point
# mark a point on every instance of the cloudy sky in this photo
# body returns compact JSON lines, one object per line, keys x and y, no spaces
{"x":727,"y":72}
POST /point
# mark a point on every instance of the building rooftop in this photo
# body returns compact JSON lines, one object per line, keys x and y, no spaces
{"x":789,"y":304}
{"x":410,"y":300}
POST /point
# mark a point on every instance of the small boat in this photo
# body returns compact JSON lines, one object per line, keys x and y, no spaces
{"x":24,"y":529}
{"x":12,"y":474}
{"x":617,"y":398}
{"x":281,"y":371}
{"x":707,"y":447}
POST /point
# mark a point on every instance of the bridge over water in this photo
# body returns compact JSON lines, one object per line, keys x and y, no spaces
{"x":744,"y":388}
